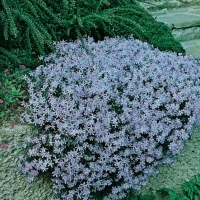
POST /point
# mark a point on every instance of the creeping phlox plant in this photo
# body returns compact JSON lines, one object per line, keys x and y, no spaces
{"x":108,"y":116}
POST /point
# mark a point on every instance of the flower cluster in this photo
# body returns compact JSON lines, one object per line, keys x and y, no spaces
{"x":108,"y":116}
{"x":4,"y":146}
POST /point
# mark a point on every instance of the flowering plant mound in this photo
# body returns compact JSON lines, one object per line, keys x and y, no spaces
{"x":108,"y":117}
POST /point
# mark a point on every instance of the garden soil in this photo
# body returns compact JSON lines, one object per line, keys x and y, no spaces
{"x":14,"y":186}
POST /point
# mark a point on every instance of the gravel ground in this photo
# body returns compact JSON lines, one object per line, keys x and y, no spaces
{"x":13,"y":184}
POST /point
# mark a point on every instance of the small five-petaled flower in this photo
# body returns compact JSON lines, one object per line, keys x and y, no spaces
{"x":12,"y":126}
{"x":22,"y":66}
{"x":6,"y":71}
{"x":4,"y":146}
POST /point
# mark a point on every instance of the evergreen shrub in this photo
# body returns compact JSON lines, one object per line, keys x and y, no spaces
{"x":107,"y":117}
{"x":29,"y":27}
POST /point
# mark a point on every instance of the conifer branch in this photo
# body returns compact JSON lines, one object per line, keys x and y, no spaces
{"x":32,"y":25}
{"x":9,"y":55}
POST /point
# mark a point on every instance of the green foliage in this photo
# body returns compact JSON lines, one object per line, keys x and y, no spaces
{"x":191,"y":191}
{"x":29,"y":27}
{"x":12,"y":90}
{"x":192,"y":188}
{"x":172,"y":195}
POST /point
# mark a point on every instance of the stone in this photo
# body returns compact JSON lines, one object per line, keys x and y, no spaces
{"x":192,"y":47}
{"x":183,"y":18}
{"x":183,"y":34}
{"x":180,"y":20}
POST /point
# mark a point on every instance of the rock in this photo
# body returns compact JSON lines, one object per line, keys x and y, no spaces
{"x":183,"y":17}
{"x":185,"y":34}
